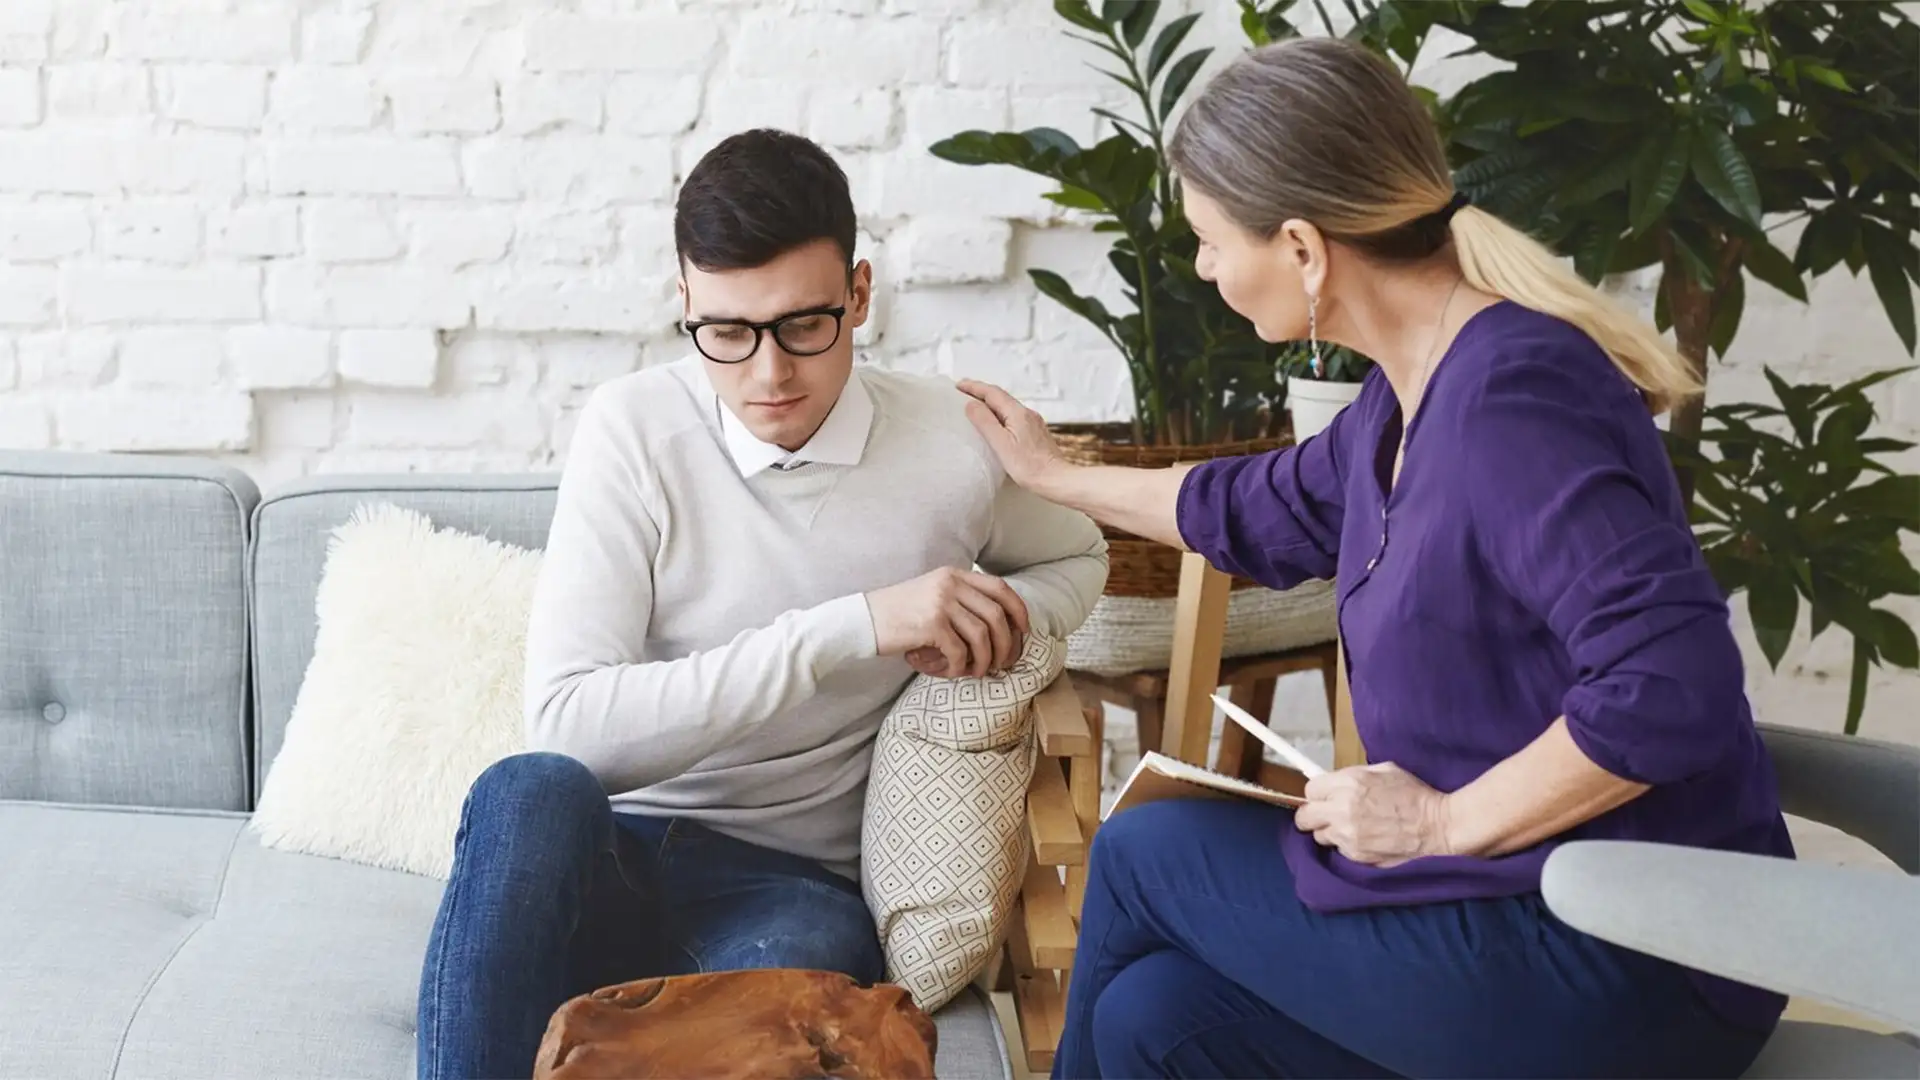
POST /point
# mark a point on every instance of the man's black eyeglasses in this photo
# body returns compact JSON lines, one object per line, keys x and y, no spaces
{"x":801,"y":333}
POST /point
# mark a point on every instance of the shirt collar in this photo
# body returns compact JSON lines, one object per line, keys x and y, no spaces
{"x":841,"y":440}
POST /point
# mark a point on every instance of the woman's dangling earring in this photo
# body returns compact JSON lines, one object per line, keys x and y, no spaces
{"x":1313,"y":335}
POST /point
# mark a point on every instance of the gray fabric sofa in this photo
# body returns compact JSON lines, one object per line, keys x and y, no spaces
{"x":156,"y":618}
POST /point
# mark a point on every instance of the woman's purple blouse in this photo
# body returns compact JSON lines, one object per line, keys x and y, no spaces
{"x":1533,"y":561}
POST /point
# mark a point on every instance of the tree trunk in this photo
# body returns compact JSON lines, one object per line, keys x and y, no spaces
{"x":1691,"y":307}
{"x":1690,"y":304}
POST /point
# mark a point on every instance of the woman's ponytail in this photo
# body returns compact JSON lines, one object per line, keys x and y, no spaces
{"x":1497,"y":258}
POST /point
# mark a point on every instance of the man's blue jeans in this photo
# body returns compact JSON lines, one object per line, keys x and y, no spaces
{"x":552,"y":894}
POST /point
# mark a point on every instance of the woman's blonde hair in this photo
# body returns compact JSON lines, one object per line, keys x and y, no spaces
{"x":1326,"y":131}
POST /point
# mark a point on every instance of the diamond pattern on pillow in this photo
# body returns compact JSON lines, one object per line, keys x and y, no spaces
{"x":944,"y":844}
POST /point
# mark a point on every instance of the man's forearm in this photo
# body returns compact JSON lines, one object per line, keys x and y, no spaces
{"x":1540,"y":792}
{"x":636,"y":724}
{"x":1139,"y":501}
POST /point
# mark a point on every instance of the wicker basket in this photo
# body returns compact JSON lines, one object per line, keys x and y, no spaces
{"x":1139,"y":567}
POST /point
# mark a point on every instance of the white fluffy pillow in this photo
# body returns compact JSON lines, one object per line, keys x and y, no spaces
{"x":414,"y":689}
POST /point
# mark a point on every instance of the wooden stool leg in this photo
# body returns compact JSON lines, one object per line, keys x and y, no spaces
{"x":1151,"y":713}
{"x":1257,"y":698}
{"x":1199,"y":634}
{"x":1330,"y":677}
{"x":1347,"y":748}
{"x":1238,"y":755}
{"x":1083,"y":784}
{"x":1236,"y":746}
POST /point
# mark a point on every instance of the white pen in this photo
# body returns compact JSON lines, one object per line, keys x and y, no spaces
{"x":1266,"y":735}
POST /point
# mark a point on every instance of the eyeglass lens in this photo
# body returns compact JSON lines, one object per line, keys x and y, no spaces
{"x":801,"y":335}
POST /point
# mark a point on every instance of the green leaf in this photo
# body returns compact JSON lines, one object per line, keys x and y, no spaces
{"x":1610,"y":177}
{"x":1703,"y":11}
{"x":1595,"y":251}
{"x":1137,"y":19}
{"x":1884,"y":446}
{"x":1825,"y":76}
{"x":1723,"y":170}
{"x":1079,"y":14}
{"x":1178,"y":77}
{"x":1896,"y":498}
{"x":1056,"y":288}
{"x":1689,"y":243}
{"x":1896,"y":640}
{"x":1123,"y":122}
{"x":1826,"y":240}
{"x":1771,"y":265}
{"x":1857,"y":685}
{"x":1728,"y":304}
{"x":1774,"y":604}
{"x":1658,"y":177}
{"x":1750,"y":103}
{"x":1074,"y":198}
{"x":1124,"y":80}
{"x":1795,"y":403}
{"x":1045,"y":139}
{"x":1884,"y":258}
{"x":1488,"y":171}
{"x":1862,"y":383}
{"x":1165,"y":42}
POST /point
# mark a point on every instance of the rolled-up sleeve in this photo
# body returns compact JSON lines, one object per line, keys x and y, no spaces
{"x":1575,"y":514}
{"x":1275,"y":517}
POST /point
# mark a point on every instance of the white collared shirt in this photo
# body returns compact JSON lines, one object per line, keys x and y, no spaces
{"x":841,"y":440}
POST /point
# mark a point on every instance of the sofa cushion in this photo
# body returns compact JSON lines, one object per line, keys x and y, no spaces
{"x":123,"y":629}
{"x":172,"y":945}
{"x":292,"y":528}
{"x":414,"y":690}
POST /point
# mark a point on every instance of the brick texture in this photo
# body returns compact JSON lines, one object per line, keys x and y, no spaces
{"x":386,"y":234}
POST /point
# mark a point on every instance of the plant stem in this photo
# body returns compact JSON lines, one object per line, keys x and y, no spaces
{"x":1157,"y":400}
{"x":1154,"y":133}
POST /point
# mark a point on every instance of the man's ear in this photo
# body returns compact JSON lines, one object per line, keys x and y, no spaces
{"x":860,"y":293}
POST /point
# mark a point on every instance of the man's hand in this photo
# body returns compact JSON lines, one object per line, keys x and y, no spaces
{"x":1381,"y":815}
{"x":950,"y":623}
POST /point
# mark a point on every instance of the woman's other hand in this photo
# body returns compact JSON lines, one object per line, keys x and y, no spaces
{"x":1017,"y":434}
{"x":1380,"y":815}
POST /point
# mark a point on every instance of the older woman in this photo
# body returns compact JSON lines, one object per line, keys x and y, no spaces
{"x":1537,"y":649}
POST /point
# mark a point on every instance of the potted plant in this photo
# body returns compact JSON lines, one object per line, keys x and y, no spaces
{"x":1683,"y":134}
{"x":1317,"y":392}
{"x":1638,"y":133}
{"x":1792,"y":504}
{"x":1204,"y":384}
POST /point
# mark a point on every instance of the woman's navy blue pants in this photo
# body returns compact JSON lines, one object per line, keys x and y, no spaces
{"x":1196,"y":959}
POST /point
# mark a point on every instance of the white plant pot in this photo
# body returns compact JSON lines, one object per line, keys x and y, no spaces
{"x":1315,"y":402}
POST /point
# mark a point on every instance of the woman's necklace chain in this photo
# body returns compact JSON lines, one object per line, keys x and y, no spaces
{"x":1433,"y":348}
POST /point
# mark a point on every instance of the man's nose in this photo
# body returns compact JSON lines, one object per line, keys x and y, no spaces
{"x":771,"y":364}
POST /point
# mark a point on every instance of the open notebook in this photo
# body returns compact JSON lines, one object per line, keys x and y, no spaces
{"x":1161,"y":777}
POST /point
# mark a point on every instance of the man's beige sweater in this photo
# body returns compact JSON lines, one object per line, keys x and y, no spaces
{"x":700,"y":638}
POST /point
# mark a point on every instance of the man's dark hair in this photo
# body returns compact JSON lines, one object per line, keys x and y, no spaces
{"x":757,"y":195}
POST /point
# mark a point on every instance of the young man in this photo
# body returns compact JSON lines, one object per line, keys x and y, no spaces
{"x":753,"y":550}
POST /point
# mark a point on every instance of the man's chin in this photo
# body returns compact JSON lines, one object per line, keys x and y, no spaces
{"x":792,"y":433}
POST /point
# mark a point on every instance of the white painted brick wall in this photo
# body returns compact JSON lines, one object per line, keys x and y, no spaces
{"x":344,"y":235}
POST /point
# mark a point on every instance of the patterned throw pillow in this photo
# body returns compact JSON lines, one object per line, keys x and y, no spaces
{"x":944,"y":844}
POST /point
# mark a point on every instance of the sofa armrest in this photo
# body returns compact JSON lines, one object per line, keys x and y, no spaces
{"x":1863,"y":787}
{"x":1842,"y":935}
